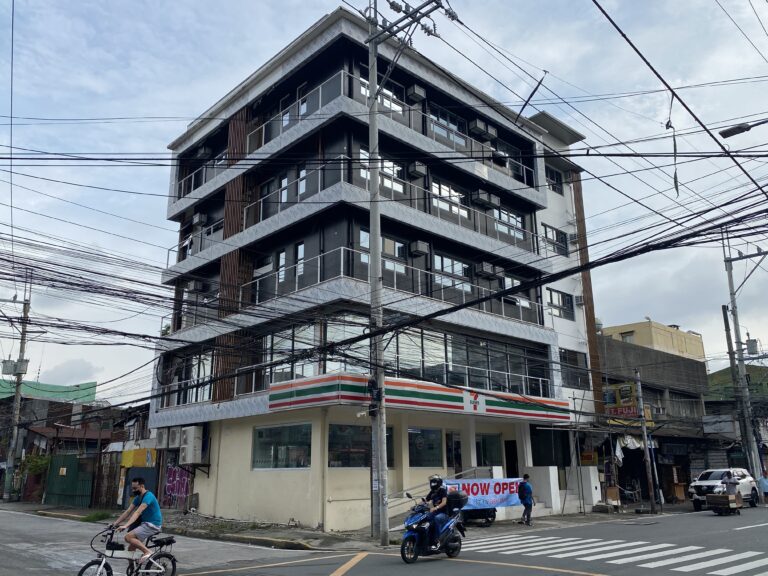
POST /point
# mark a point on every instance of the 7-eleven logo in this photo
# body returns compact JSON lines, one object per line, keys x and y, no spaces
{"x":474,"y":400}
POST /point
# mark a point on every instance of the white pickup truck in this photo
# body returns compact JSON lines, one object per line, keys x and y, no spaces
{"x":711,"y":482}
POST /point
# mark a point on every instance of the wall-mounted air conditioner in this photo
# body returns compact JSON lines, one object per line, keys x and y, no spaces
{"x":418,"y":248}
{"x":191,"y":449}
{"x":199,"y":219}
{"x":174,"y":437}
{"x":485,"y":269}
{"x":197,"y":286}
{"x":573,"y":238}
{"x":416,"y":93}
{"x":579,"y":299}
{"x":417,"y":169}
{"x":487,"y":199}
{"x":161,"y":440}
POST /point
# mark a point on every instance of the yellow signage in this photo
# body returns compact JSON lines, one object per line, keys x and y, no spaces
{"x":621,"y":401}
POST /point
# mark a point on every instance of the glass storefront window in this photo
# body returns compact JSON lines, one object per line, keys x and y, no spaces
{"x":425,"y":448}
{"x":349,"y":446}
{"x":282,"y":447}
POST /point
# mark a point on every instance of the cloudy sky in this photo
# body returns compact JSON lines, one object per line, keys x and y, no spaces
{"x":126,"y":63}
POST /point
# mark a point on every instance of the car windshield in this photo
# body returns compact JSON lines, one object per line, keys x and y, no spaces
{"x":713,"y":475}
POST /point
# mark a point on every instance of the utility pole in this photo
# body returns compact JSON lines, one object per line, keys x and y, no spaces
{"x":750,"y":446}
{"x":734,"y":375}
{"x":19,"y":369}
{"x":380,"y":518}
{"x":646,"y":451}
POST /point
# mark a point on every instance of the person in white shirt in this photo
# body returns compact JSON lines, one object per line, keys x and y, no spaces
{"x":731,"y":484}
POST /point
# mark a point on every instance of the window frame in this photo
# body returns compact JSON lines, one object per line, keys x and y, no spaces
{"x":561,"y":309}
{"x":308,"y":447}
{"x":555,"y":184}
{"x":366,"y":444}
{"x":440,"y":447}
{"x":559,"y":242}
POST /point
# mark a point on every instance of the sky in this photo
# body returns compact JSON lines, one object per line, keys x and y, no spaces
{"x":134,"y":61}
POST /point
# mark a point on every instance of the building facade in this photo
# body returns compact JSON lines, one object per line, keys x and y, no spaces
{"x":270,"y":192}
{"x":662,"y":337}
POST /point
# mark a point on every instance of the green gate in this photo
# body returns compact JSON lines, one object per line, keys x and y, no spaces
{"x":69,"y":481}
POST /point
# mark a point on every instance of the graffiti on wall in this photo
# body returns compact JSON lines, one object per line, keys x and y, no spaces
{"x":177,"y":484}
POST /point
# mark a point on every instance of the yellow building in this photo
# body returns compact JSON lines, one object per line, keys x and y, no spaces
{"x":664,"y":338}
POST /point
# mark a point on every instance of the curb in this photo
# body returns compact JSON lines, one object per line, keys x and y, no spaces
{"x":62,"y":515}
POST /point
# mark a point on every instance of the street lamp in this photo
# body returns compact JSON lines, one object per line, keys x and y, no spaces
{"x":741,"y":128}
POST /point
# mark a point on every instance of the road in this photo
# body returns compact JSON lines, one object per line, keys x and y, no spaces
{"x":697,"y":544}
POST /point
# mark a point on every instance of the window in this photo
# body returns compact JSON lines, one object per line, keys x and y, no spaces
{"x":573,"y":368}
{"x":556,"y":239}
{"x":444,"y":266}
{"x":285,"y":111}
{"x":302,"y":181}
{"x":390,"y":173}
{"x":448,"y":198}
{"x":283,"y":188}
{"x":299,"y":259}
{"x":355,"y":358}
{"x":301,"y":94}
{"x":488,"y":449}
{"x":628,"y":337}
{"x":425,"y":448}
{"x":561,"y":304}
{"x":510,"y":223}
{"x":282,"y":447}
{"x":387,"y":94}
{"x":350,"y":446}
{"x":304,"y":339}
{"x":554,"y":179}
{"x":281,"y":266}
{"x":389,"y":247}
{"x":447,"y":125}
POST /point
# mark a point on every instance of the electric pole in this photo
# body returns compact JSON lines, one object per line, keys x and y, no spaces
{"x":19,"y":368}
{"x":646,"y":451}
{"x":751,"y":449}
{"x":411,"y":17}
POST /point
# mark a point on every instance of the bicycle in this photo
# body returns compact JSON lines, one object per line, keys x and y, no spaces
{"x":160,"y":563}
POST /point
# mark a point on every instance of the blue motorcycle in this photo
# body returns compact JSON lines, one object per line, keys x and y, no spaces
{"x":416,"y":541}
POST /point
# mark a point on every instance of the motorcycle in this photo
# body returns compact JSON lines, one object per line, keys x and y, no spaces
{"x":416,"y":541}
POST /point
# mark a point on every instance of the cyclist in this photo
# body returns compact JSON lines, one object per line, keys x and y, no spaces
{"x":144,"y":518}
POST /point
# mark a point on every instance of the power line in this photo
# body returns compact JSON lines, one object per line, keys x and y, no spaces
{"x":747,"y":38}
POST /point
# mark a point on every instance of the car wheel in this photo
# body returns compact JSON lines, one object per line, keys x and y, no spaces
{"x":753,"y":499}
{"x":697,"y":505}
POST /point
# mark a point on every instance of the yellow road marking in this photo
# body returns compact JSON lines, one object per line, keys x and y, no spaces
{"x":512,"y":565}
{"x":341,"y":570}
{"x":275,"y":565}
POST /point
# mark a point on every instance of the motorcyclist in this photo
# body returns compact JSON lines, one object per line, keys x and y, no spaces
{"x":438,"y":502}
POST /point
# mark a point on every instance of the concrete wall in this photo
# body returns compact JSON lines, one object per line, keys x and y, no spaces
{"x":661,"y":337}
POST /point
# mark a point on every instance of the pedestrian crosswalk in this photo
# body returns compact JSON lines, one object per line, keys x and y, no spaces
{"x":640,"y":553}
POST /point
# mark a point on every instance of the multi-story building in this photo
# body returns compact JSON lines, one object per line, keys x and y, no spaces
{"x":661,"y":337}
{"x":270,"y":192}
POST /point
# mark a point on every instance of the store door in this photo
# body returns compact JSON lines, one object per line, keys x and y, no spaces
{"x":510,"y":457}
{"x":453,"y":452}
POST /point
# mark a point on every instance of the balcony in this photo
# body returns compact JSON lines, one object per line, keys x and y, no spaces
{"x":196,"y":242}
{"x":346,"y":262}
{"x":197,"y":308}
{"x":185,"y":393}
{"x":205,"y":173}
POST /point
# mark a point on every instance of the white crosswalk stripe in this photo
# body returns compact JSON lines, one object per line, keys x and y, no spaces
{"x":686,"y":558}
{"x":661,"y":554}
{"x":486,"y":546}
{"x":505,"y":537}
{"x":579,"y":547}
{"x":560,"y":547}
{"x":599,"y":549}
{"x":741,"y":567}
{"x":625,"y":552}
{"x":532,"y":547}
{"x":716,"y":562}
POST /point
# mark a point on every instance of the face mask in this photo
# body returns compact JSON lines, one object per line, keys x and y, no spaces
{"x":136,"y":492}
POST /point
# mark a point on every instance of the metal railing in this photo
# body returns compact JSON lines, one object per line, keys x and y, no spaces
{"x":294,"y":192}
{"x":197,"y":308}
{"x":197,"y":242}
{"x":295,"y":112}
{"x":186,"y":392}
{"x":205,"y":173}
{"x":451,"y":210}
{"x":346,"y":262}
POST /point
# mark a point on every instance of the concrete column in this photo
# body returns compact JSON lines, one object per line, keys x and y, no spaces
{"x":401,"y":451}
{"x":468,"y":446}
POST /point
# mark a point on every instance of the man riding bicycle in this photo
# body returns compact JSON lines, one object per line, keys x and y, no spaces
{"x":144,"y":518}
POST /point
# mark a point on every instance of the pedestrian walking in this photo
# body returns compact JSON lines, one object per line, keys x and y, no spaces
{"x":762,"y":485}
{"x":525,"y":492}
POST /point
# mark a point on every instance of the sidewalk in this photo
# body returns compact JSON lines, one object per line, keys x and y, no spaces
{"x":300,"y":538}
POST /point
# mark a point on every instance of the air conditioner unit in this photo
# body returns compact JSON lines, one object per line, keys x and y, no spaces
{"x":191,"y":449}
{"x":161,"y":440}
{"x":416,"y":93}
{"x":174,"y":437}
{"x":579,"y":300}
{"x":485,"y":269}
{"x":491,"y":131}
{"x":573,"y":238}
{"x":418,"y":248}
{"x":203,"y":152}
{"x":487,"y":199}
{"x":417,"y":169}
{"x":190,"y":456}
{"x":197,"y":286}
{"x":478,"y":127}
{"x":199,"y":219}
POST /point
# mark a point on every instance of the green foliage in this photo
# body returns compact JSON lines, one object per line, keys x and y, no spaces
{"x":97,"y":516}
{"x":35,"y":464}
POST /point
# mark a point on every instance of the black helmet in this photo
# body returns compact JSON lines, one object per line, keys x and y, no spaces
{"x":435,"y":482}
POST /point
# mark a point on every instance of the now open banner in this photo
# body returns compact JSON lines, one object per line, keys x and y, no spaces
{"x":487,"y":492}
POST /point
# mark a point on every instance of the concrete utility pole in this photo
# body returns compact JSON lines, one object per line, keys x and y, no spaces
{"x":380,"y":517}
{"x":19,"y":370}
{"x":750,"y":446}
{"x":646,"y":451}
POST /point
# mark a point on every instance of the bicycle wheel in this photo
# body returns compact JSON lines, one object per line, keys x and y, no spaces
{"x":162,"y":564}
{"x":94,"y":568}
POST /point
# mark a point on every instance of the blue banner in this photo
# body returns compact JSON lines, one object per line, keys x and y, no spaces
{"x":487,"y":492}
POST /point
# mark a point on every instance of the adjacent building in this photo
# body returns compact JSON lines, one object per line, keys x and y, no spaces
{"x":665,"y":338}
{"x":269,"y":189}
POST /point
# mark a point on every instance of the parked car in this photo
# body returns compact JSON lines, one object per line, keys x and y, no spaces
{"x":711,"y":482}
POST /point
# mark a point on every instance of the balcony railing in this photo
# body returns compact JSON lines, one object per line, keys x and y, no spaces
{"x":205,"y":173}
{"x":184,"y":393}
{"x":330,"y":173}
{"x":197,"y":308}
{"x":196,"y":242}
{"x":346,"y":262}
{"x":296,"y":112}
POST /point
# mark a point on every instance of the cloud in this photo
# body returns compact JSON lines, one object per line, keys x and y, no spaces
{"x":74,"y":371}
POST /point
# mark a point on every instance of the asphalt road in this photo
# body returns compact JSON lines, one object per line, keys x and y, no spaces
{"x":674,"y":545}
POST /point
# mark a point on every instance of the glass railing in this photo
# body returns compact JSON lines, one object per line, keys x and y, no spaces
{"x":196,"y":242}
{"x":346,"y":262}
{"x":197,"y":308}
{"x":451,"y":210}
{"x":184,"y":393}
{"x":205,"y":173}
{"x":296,"y":112}
{"x":302,"y":188}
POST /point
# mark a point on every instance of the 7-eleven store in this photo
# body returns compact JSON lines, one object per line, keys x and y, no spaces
{"x":300,"y":451}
